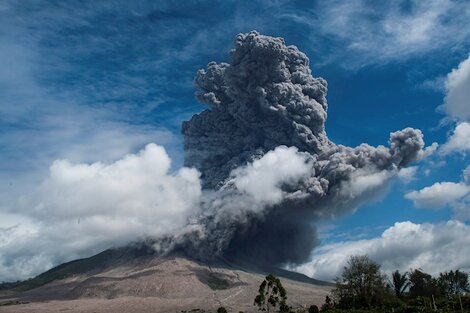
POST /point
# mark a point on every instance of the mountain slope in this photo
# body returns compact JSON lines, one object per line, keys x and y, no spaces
{"x":135,"y":279}
{"x":89,"y":265}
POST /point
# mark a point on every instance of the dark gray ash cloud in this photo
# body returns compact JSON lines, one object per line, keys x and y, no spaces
{"x":266,"y":111}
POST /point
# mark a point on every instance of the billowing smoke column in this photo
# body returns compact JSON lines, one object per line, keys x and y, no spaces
{"x":269,"y":169}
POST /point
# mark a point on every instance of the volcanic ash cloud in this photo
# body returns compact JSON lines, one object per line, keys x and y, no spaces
{"x":266,"y":163}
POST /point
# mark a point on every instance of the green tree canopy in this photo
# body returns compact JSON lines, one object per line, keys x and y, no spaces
{"x":271,"y":295}
{"x":422,"y":284}
{"x":313,"y":309}
{"x":400,"y":282}
{"x":361,"y":283}
{"x":453,"y":282}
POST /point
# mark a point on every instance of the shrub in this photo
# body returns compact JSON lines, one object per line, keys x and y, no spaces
{"x":221,"y":310}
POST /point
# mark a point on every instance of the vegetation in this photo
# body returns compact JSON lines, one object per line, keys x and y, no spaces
{"x":361,"y":285}
{"x":363,"y":288}
{"x":453,"y":282}
{"x":271,"y":295}
{"x":221,"y":310}
{"x":400,"y":283}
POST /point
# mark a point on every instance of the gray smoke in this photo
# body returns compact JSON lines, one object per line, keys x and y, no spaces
{"x":262,"y":102}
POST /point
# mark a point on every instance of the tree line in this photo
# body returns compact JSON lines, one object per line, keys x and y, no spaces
{"x":363,"y":287}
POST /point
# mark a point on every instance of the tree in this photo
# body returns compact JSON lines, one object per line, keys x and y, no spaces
{"x":327,"y":306}
{"x":361,"y":283}
{"x":313,"y":309}
{"x":271,"y":294}
{"x":400,"y":282}
{"x":221,"y":310}
{"x":422,"y":284}
{"x":453,"y":282}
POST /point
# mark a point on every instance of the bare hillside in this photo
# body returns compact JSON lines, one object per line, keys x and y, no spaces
{"x":157,"y":284}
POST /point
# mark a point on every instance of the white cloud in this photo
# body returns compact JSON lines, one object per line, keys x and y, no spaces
{"x":42,"y":122}
{"x":443,"y":194}
{"x":137,"y":185}
{"x":459,"y":141}
{"x":438,"y":195}
{"x":387,"y":30}
{"x":466,"y":175}
{"x":407,"y":174}
{"x":457,"y":106}
{"x":263,"y":183}
{"x":85,"y":208}
{"x":457,"y":100}
{"x":433,"y":247}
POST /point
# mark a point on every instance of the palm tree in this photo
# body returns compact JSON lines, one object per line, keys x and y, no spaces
{"x":400,"y":282}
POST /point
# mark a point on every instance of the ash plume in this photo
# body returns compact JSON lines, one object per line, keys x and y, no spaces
{"x":267,"y":166}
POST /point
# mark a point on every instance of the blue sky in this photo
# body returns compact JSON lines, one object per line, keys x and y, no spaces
{"x":93,"y":81}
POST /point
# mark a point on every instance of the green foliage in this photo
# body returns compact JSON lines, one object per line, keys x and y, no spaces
{"x":361,"y":285}
{"x":400,"y":282}
{"x":453,"y":282}
{"x":221,"y":310}
{"x":313,"y":309}
{"x":422,"y":284}
{"x":327,"y":306}
{"x":361,"y":289}
{"x":271,"y":294}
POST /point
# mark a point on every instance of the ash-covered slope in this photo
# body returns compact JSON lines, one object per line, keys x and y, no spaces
{"x":137,"y":278}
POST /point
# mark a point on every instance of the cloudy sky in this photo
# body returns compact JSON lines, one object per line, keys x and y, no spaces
{"x":92,"y":96}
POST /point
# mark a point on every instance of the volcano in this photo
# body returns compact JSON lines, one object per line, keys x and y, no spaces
{"x":136,"y":279}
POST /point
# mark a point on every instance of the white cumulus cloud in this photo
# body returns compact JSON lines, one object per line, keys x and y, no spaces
{"x":457,"y":106}
{"x":459,"y":141}
{"x":433,"y":247}
{"x":444,"y":194}
{"x":457,"y":100}
{"x":264,"y":178}
{"x":438,"y":195}
{"x":84,"y":208}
